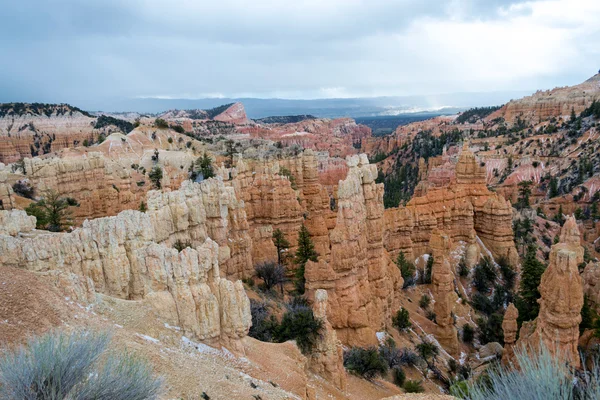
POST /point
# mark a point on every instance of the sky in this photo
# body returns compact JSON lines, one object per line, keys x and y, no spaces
{"x":89,"y":51}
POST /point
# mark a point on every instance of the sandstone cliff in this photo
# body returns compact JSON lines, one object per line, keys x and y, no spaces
{"x":362,"y":282}
{"x":465,"y":209}
{"x":120,"y":257}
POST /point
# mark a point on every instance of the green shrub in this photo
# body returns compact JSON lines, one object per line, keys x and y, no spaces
{"x":411,"y":386}
{"x":424,"y":301}
{"x":180,"y":244}
{"x":468,"y":333}
{"x":367,"y":363}
{"x":300,"y":324}
{"x":427,"y":350}
{"x":540,"y":376}
{"x":61,"y":366}
{"x":161,"y":123}
{"x":402,"y":320}
{"x":155,"y":176}
{"x":24,"y":188}
{"x":399,"y":376}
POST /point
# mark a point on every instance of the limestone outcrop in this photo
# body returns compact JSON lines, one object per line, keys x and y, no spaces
{"x":362,"y":282}
{"x":443,"y":292}
{"x":510,"y":329}
{"x":119,"y":256}
{"x":327,"y":358}
{"x":561,"y":289}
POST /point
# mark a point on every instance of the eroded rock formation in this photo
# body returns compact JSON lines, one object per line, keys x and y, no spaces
{"x":443,"y":292}
{"x":465,"y":209}
{"x":510,"y":328}
{"x":561,"y":289}
{"x":120,"y":257}
{"x":327,"y":358}
{"x":362,"y":282}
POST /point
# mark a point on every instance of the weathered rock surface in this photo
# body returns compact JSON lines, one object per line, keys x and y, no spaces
{"x":465,"y":209}
{"x":336,"y":136}
{"x":591,"y":283}
{"x":551,"y":103}
{"x":510,"y":329}
{"x":119,"y":256}
{"x":362,"y":282}
{"x":327,"y":358}
{"x":561,"y":289}
{"x":15,"y":221}
{"x":443,"y":292}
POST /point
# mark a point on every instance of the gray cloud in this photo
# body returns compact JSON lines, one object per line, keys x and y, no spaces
{"x":83,"y":51}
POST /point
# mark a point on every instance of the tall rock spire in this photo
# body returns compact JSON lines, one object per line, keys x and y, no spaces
{"x":442,"y":279}
{"x":561,"y":290}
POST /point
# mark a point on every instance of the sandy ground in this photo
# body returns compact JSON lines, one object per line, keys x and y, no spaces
{"x":30,"y":305}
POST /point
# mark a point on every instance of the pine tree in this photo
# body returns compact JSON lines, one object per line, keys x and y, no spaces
{"x":281,"y":243}
{"x":156,"y":176}
{"x":305,"y":252}
{"x":553,"y":192}
{"x":524,"y":193}
{"x":573,"y":116}
{"x":407,"y":269}
{"x":531,"y":275}
{"x":204,"y":166}
{"x":52,"y":211}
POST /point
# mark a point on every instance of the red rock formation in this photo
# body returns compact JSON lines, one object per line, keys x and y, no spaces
{"x":327,"y":358}
{"x":465,"y":209}
{"x":510,"y":328}
{"x":235,"y":114}
{"x":361,"y":280}
{"x":551,"y":103}
{"x":337,"y":136}
{"x":443,"y":291}
{"x":26,"y":131}
{"x":561,"y":289}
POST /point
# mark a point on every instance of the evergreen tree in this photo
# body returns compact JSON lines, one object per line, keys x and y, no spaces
{"x":52,"y":211}
{"x":524,"y":193}
{"x":203,"y":165}
{"x":428,"y":269}
{"x":305,"y":252}
{"x":281,"y":243}
{"x":407,"y":269}
{"x":573,"y":116}
{"x":553,"y":192}
{"x":531,"y":275}
{"x":588,"y":316}
{"x":230,"y":150}
{"x":559,"y":217}
{"x":156,"y":176}
{"x":594,"y":211}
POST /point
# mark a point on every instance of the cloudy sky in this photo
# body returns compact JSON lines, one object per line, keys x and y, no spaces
{"x":79,"y":51}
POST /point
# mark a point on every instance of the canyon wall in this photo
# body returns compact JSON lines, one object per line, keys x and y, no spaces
{"x":464,"y":208}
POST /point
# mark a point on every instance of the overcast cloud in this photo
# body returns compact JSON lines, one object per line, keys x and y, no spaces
{"x":80,"y":51}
